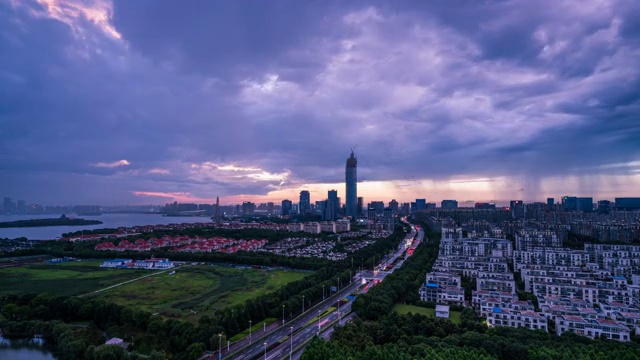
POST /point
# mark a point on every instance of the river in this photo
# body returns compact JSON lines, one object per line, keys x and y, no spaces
{"x":108,"y":221}
{"x":25,"y":349}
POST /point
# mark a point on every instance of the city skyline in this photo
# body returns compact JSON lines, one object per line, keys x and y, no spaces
{"x":116,"y":102}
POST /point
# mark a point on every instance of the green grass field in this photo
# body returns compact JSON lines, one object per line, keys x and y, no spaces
{"x":454,"y":316}
{"x":70,"y":278}
{"x":191,"y":292}
{"x":194,"y":291}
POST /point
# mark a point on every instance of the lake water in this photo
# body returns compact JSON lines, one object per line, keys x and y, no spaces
{"x":31,"y":349}
{"x":108,"y":221}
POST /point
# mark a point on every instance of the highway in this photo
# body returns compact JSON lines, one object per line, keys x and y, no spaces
{"x":279,"y":343}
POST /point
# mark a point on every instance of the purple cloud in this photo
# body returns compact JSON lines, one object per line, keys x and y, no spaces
{"x":231,"y":98}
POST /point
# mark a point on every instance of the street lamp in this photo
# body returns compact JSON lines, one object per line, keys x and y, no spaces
{"x":322,"y":292}
{"x":265,"y":350}
{"x":249,"y":331}
{"x":339,"y":317}
{"x":291,"y":337}
{"x":318,"y":322}
{"x":303,"y":304}
{"x":282,"y":314}
{"x":220,"y":346}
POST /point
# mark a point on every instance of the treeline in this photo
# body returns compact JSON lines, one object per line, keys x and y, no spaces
{"x":420,"y":337}
{"x":403,"y":284}
{"x":78,"y":328}
{"x":62,"y":221}
{"x":91,"y":232}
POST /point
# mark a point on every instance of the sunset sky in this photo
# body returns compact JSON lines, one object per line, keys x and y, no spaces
{"x":150,"y":101}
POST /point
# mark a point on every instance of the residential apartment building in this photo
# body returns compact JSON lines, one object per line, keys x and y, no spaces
{"x":532,"y":239}
{"x":442,"y":288}
{"x":502,"y":281}
{"x":514,"y":318}
{"x":593,"y":328}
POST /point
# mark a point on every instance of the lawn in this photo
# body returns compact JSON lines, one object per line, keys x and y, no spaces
{"x":194,"y":291}
{"x":191,"y":292}
{"x":454,"y":316}
{"x":71,"y":278}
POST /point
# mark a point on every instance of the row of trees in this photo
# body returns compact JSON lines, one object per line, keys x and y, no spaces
{"x":403,"y":284}
{"x":419,"y":337}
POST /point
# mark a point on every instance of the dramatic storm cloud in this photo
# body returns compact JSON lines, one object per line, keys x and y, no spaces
{"x":149,"y":101}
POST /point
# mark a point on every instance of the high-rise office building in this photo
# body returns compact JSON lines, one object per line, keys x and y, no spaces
{"x":305,"y":202}
{"x":584,"y":204}
{"x":570,"y":203}
{"x":405,"y":209}
{"x":9,"y":205}
{"x":628,"y":203}
{"x":21,"y":207}
{"x":287,"y":205}
{"x":604,"y":206}
{"x":351,"y":179}
{"x":378,"y":206}
{"x":248,"y":208}
{"x":449,"y":204}
{"x":550,"y":203}
{"x":419,"y":204}
{"x":360,"y":205}
{"x":333,"y":205}
{"x":388,"y":219}
{"x":393,"y":204}
{"x":517,"y":209}
{"x":485,"y":206}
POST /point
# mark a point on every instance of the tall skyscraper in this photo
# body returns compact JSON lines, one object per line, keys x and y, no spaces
{"x":517,"y":209}
{"x":333,"y":205}
{"x":305,"y":202}
{"x":351,"y":178}
{"x":287,"y":205}
{"x":360,"y":205}
{"x":217,"y":210}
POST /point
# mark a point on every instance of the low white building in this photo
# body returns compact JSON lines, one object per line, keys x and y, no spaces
{"x":442,"y":311}
{"x":115,"y":263}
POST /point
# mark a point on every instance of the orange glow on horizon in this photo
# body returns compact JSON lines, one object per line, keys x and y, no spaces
{"x":465,"y":190}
